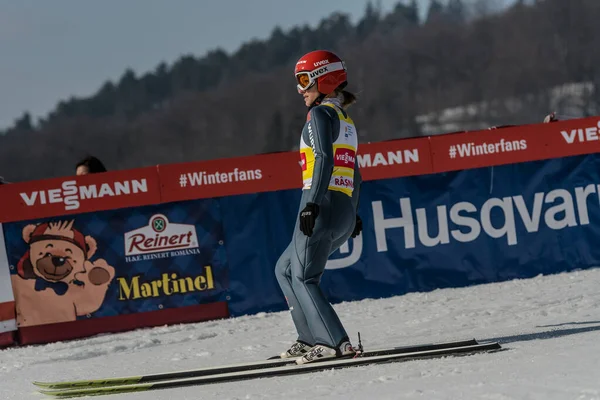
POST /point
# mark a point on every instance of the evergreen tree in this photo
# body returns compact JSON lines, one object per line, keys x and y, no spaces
{"x":23,"y":123}
{"x":455,"y":10}
{"x":370,"y":20}
{"x":435,"y":11}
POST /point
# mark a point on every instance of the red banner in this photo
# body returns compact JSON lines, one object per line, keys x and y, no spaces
{"x":393,"y":159}
{"x":7,"y":312}
{"x":79,"y":194}
{"x":7,"y":339}
{"x":486,"y":148}
{"x":232,"y":176}
{"x":574,"y":137}
{"x":281,"y":171}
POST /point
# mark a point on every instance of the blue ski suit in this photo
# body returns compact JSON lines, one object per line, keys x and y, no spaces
{"x":332,"y":180}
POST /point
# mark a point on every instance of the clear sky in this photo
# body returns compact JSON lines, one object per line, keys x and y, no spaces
{"x":52,"y":49}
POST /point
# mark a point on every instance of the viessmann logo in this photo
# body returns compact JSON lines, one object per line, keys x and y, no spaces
{"x":581,"y":135}
{"x":377,"y":159}
{"x":344,"y":158}
{"x":72,"y":194}
{"x":160,"y":239}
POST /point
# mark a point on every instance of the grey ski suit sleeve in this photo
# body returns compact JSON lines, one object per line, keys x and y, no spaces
{"x":321,"y":137}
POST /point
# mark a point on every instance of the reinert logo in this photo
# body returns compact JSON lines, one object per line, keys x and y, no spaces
{"x":160,"y":239}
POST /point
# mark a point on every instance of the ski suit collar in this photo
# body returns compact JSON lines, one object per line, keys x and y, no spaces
{"x":334,"y":100}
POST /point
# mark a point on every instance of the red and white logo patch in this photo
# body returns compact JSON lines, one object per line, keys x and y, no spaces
{"x":303,"y":161}
{"x":344,"y":158}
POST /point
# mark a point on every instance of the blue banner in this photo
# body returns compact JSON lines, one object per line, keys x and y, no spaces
{"x":426,"y":232}
{"x":117,"y":262}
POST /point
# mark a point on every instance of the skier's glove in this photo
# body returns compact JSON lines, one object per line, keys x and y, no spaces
{"x":308,"y":217}
{"x":358,"y":227}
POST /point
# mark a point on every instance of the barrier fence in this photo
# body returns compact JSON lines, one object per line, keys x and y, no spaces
{"x":195,"y":241}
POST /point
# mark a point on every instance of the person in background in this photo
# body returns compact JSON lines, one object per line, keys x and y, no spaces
{"x":550,"y":118}
{"x":90,"y":165}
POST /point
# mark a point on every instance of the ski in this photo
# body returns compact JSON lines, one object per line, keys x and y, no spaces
{"x":222,"y":369}
{"x":275,"y":371}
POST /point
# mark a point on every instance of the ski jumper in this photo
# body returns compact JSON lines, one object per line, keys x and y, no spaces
{"x":331,"y":179}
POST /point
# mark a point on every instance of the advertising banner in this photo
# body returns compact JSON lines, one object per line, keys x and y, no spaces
{"x":485,"y":148}
{"x":226,"y":177}
{"x":282,"y":171}
{"x":574,"y":137}
{"x":117,"y":262}
{"x":79,"y":194}
{"x":394,"y":158}
{"x":510,"y":145}
{"x":433,"y":231}
{"x":440,"y":211}
{"x":258,"y":227}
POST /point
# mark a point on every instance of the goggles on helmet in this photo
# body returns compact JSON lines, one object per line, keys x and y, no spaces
{"x":306,"y":79}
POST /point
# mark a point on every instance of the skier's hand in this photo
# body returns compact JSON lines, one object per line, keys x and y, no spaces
{"x":358,"y":227}
{"x":308,"y":217}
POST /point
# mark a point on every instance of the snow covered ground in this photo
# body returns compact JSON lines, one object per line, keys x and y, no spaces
{"x":549,"y":326}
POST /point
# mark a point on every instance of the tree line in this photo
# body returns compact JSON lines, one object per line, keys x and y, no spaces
{"x":505,"y":65}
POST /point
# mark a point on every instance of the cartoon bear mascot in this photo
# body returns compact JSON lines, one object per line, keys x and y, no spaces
{"x":56,"y":281}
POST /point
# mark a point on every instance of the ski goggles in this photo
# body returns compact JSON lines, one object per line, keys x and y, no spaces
{"x":306,"y":79}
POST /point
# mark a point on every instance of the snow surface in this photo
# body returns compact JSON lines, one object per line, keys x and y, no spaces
{"x":549,"y":326}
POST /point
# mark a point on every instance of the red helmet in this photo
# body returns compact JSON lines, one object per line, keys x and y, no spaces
{"x":323,"y":67}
